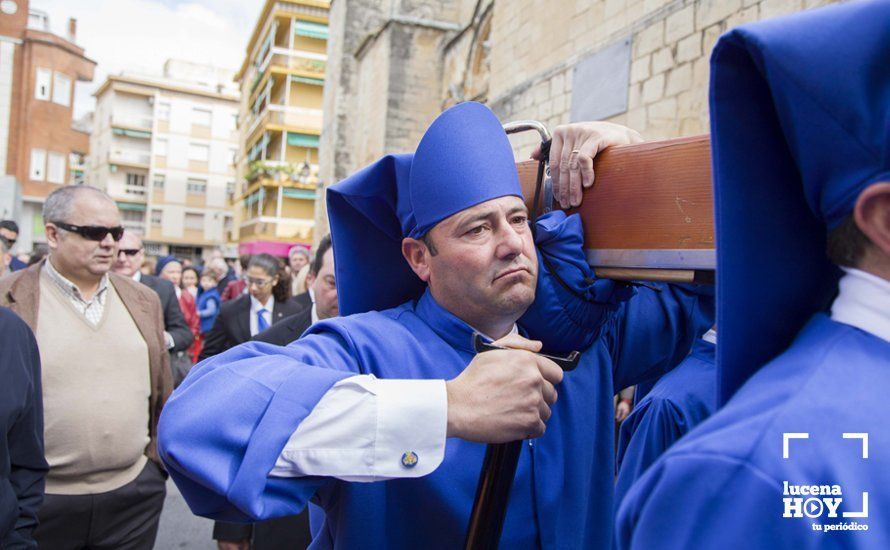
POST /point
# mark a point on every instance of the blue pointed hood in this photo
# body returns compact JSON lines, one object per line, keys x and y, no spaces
{"x":463,"y":159}
{"x":800,"y":126}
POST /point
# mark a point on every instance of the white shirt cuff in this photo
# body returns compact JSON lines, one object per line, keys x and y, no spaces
{"x":367,"y":429}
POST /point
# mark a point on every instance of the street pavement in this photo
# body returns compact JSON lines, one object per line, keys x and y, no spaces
{"x":180,"y":528}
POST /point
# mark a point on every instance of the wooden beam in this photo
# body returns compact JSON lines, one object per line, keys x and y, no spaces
{"x":650,"y":212}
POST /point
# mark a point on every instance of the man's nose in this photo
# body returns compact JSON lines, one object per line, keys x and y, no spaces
{"x":511,"y":242}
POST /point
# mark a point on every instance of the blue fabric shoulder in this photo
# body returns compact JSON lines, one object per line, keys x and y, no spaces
{"x":570,"y":310}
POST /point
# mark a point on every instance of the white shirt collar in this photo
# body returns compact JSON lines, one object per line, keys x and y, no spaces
{"x":255,"y":304}
{"x":314,"y":313}
{"x":311,"y":294}
{"x":710,"y":336}
{"x":863,"y":302}
{"x":137,"y":276}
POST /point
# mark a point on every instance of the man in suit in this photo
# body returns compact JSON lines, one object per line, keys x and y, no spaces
{"x":323,"y":286}
{"x":105,"y":378}
{"x":128,"y":262}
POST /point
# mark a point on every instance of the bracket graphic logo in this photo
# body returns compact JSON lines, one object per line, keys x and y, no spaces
{"x":819,"y":501}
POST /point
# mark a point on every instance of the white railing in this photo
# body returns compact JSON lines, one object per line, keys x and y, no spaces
{"x":132,"y":121}
{"x":287,"y":116}
{"x":123,"y":156}
{"x":310,"y":62}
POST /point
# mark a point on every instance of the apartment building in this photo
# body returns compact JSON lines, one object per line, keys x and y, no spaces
{"x":164,"y":147}
{"x":280,"y":119}
{"x":41,"y":148}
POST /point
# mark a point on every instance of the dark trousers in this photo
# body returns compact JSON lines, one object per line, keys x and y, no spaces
{"x":123,"y":519}
{"x":289,"y":532}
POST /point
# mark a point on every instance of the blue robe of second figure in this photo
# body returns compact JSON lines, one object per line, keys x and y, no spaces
{"x":219,"y":450}
{"x":678,"y":402}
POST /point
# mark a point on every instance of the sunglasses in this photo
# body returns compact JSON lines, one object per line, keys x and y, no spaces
{"x":92,"y":232}
{"x":129,"y":251}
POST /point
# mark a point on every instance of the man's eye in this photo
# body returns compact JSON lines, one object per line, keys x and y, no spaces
{"x":520,"y":220}
{"x":476,"y":231}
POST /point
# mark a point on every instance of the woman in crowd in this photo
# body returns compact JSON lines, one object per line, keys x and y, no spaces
{"x":267,"y":302}
{"x":170,"y":268}
{"x":189,"y":281}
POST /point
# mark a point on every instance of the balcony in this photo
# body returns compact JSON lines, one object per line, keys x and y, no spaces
{"x":302,"y":62}
{"x":125,"y":157}
{"x":141,"y":124}
{"x":135,"y":227}
{"x":295,"y":118}
{"x":282,"y":174}
{"x":270,"y":227}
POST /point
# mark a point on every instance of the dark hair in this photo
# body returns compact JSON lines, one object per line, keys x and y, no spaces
{"x":244,"y":260}
{"x":847,"y":243}
{"x":318,"y":262}
{"x":190,"y":268}
{"x":9,"y":225}
{"x":272,"y":266}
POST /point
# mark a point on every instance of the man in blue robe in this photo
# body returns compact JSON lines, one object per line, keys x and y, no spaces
{"x":679,"y":401}
{"x":429,"y":249}
{"x":799,"y":457}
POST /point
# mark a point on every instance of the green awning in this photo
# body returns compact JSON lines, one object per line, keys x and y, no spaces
{"x":131,"y":133}
{"x":311,"y":30}
{"x":306,"y":194}
{"x":307,"y":80}
{"x":133,"y":207}
{"x":302,"y":140}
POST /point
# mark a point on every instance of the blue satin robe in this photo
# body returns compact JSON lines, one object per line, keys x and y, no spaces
{"x":678,"y":402}
{"x":224,"y":427}
{"x":722,"y":486}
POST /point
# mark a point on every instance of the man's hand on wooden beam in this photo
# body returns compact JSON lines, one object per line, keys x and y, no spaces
{"x":572,"y":152}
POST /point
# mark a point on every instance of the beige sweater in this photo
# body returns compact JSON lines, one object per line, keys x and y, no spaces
{"x":96,"y":388}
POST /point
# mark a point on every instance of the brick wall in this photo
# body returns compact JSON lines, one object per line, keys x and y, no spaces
{"x":671,"y":42}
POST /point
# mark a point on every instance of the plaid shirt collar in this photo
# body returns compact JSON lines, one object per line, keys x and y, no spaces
{"x":72,"y":290}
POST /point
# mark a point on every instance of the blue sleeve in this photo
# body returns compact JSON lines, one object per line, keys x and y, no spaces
{"x":708,"y":501}
{"x":222,"y":430}
{"x":654,"y":331}
{"x":210,"y":308}
{"x":650,"y":429}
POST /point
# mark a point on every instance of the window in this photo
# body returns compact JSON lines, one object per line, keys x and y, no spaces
{"x":134,"y":216}
{"x":41,"y":88}
{"x":228,"y":223}
{"x":38,"y":164}
{"x":163,"y":111}
{"x":55,"y":172}
{"x":135,"y":184}
{"x":61,"y":89}
{"x":156,"y":217}
{"x":196,"y":186}
{"x":234,"y":152}
{"x":201,"y":117}
{"x":194,"y":221}
{"x":161,"y":147}
{"x":233,"y":122}
{"x":159,"y":181}
{"x":198,"y":152}
{"x":230,"y":189}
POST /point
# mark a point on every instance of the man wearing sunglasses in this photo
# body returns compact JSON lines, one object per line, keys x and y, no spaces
{"x":128,"y":262}
{"x":105,"y":377}
{"x":9,"y":230}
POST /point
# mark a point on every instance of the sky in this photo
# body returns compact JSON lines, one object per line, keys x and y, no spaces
{"x":139,"y":35}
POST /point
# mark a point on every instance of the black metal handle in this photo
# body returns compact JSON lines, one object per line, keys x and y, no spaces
{"x":498,"y":471}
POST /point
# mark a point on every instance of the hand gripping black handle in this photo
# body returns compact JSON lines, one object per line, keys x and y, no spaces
{"x":498,"y":471}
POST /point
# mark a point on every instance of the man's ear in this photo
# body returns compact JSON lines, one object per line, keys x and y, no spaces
{"x":52,"y":236}
{"x":418,"y":257}
{"x":872,"y":215}
{"x":310,"y":279}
